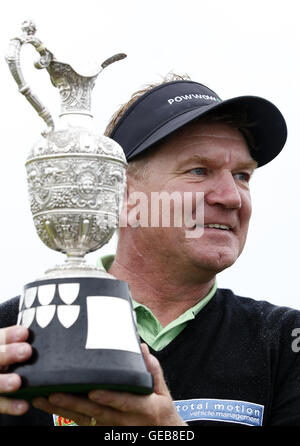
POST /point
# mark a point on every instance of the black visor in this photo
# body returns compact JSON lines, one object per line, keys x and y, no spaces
{"x":166,"y":108}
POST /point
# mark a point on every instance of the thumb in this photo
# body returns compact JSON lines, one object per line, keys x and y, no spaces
{"x":155,"y":369}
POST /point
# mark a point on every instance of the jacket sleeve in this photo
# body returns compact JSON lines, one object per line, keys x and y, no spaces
{"x":34,"y":417}
{"x":286,"y":397}
{"x":9,"y":312}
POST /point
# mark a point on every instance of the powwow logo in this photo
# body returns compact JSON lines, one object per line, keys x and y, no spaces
{"x":187,"y":97}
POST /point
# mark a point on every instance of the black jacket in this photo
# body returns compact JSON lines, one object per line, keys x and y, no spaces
{"x":236,"y":362}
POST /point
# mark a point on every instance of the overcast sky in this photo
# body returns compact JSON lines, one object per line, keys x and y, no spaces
{"x":234,"y":47}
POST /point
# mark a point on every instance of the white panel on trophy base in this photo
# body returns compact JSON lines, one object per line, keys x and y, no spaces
{"x":110,"y":324}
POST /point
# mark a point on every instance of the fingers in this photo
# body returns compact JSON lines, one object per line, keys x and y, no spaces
{"x":13,"y":347}
{"x":13,"y":407}
{"x":79,"y":409}
{"x":15,"y":333}
{"x":120,"y":401}
{"x":8,"y":406}
{"x":77,"y":403}
{"x":155,"y":369}
{"x":67,"y":412}
{"x":13,"y":353}
{"x":9,"y":382}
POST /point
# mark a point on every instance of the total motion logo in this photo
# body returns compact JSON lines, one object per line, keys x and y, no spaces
{"x":231,"y":411}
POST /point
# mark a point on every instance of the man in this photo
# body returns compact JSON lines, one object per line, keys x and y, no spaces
{"x":216,"y":358}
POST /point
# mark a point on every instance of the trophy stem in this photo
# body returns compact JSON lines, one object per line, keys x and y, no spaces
{"x":75,"y":261}
{"x":76,"y":120}
{"x":76,"y":266}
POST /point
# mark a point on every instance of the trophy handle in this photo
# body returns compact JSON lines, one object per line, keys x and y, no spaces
{"x":13,"y":60}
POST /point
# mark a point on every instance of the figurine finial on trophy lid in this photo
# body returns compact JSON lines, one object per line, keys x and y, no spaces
{"x":28,"y":27}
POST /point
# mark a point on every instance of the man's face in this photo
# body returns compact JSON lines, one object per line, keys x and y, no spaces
{"x":212,"y":158}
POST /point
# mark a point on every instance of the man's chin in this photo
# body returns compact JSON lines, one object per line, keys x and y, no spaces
{"x":216,"y":262}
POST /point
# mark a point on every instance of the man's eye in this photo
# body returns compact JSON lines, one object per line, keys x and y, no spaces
{"x":242,"y":176}
{"x":198,"y":171}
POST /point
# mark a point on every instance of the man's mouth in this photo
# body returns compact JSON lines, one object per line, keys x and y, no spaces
{"x":218,"y":226}
{"x":213,"y":228}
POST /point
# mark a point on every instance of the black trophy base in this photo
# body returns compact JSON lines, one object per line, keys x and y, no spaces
{"x":82,"y":380}
{"x":83,"y":336}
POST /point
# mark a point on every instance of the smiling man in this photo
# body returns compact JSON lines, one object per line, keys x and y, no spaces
{"x":208,"y":157}
{"x":216,"y":358}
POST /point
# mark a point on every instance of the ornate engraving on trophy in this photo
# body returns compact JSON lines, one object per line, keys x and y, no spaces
{"x":74,"y":90}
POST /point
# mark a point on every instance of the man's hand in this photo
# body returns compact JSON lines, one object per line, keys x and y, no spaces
{"x":112,"y":408}
{"x":13,"y":349}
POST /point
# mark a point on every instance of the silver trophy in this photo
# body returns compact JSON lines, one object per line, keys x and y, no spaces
{"x":82,"y":325}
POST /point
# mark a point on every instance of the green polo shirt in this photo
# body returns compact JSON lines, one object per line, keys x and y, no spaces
{"x":149,"y":327}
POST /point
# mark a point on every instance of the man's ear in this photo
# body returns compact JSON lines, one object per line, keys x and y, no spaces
{"x":128,"y":204}
{"x":130,"y":188}
{"x":135,"y":206}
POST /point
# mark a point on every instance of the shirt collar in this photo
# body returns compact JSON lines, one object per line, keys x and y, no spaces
{"x":191,"y":313}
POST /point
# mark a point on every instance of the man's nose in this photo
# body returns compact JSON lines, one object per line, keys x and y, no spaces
{"x":224,"y":191}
